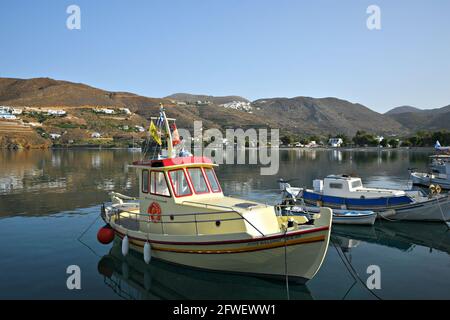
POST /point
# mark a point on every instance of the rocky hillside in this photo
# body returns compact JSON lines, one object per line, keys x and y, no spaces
{"x":193,"y":98}
{"x":299,"y":115}
{"x":327,"y":115}
{"x":415,"y":119}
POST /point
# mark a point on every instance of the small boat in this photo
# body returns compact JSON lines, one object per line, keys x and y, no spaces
{"x":439,"y":175}
{"x":182,"y":217}
{"x":340,"y":216}
{"x":348,"y":193}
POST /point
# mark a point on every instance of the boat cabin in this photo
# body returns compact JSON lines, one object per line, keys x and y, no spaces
{"x":352,"y":187}
{"x":178,"y":193}
{"x":179,"y":179}
{"x":440,"y":165}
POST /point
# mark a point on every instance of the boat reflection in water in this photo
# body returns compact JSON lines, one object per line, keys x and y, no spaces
{"x":130,"y":278}
{"x":399,"y":235}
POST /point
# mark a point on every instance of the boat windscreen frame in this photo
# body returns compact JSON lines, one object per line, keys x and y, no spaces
{"x":187,"y":180}
{"x":215,"y":177}
{"x":204,"y":178}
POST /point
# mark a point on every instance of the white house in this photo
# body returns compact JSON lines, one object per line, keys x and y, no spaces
{"x":7,"y":116}
{"x":125,"y":110}
{"x":53,"y":112}
{"x":17,"y":111}
{"x":55,"y":136}
{"x":335,"y":142}
{"x":238,"y":105}
{"x":139,"y":128}
{"x":96,"y":135}
{"x":104,"y":110}
{"x":5,"y":113}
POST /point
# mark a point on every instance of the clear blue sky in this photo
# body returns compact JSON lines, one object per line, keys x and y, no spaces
{"x":253,"y":48}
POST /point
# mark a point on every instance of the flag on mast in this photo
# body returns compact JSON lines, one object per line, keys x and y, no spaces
{"x":155,"y":133}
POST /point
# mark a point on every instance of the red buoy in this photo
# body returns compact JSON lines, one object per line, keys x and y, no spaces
{"x":105,"y":235}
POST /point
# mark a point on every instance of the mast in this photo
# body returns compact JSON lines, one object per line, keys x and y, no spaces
{"x":169,"y":134}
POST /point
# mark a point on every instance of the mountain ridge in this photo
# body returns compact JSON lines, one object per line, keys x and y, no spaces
{"x":421,"y":119}
{"x":297,"y":115}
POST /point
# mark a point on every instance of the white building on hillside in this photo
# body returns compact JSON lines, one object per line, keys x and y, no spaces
{"x":238,"y":105}
{"x":54,"y":112}
{"x":54,"y":136}
{"x":125,"y":110}
{"x":104,"y":110}
{"x":335,"y":142}
{"x":6,"y":113}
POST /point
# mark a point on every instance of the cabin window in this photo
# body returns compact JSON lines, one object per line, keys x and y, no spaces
{"x":356,"y":184}
{"x":158,"y":184}
{"x":198,"y":180}
{"x":145,"y":181}
{"x":336,"y":185}
{"x":179,"y":183}
{"x":213,"y":183}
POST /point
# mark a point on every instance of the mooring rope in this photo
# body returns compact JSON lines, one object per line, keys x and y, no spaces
{"x":352,"y":270}
{"x":286,"y":265}
{"x":84,"y":232}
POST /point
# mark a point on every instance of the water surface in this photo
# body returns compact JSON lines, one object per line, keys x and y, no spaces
{"x":50,"y":201}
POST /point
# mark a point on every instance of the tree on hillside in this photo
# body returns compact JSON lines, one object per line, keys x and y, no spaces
{"x":393,"y":142}
{"x":363,"y":138}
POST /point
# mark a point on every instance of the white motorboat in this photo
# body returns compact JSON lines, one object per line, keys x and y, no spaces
{"x":289,"y":205}
{"x":348,"y":193}
{"x":439,"y":175}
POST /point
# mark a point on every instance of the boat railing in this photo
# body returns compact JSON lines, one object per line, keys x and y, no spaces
{"x":147,"y":218}
{"x":229,"y":209}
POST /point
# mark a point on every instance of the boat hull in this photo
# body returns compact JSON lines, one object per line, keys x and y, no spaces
{"x":424,"y":179}
{"x":348,"y":217}
{"x":367,"y":220}
{"x":304,"y":253}
{"x":435,"y":209}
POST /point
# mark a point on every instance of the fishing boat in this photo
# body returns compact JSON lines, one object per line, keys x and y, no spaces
{"x":290,"y":205}
{"x":348,"y":193}
{"x":439,"y":173}
{"x":182,"y":217}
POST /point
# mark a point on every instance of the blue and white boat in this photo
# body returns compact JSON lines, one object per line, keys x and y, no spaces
{"x":290,"y":205}
{"x":348,"y":193}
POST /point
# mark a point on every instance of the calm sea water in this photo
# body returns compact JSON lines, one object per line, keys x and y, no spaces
{"x":50,"y":201}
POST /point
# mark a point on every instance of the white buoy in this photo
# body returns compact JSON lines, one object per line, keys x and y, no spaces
{"x":147,"y":252}
{"x":125,"y":246}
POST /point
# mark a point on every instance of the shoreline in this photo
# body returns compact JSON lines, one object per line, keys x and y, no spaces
{"x":359,"y":149}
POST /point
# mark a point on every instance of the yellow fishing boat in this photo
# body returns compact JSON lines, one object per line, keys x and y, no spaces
{"x":183,"y":217}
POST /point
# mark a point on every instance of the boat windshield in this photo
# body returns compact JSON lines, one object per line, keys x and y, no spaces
{"x":213,"y":183}
{"x":179,"y":183}
{"x":198,"y":180}
{"x":356,"y":184}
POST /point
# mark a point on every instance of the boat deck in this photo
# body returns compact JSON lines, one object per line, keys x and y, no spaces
{"x":128,"y":223}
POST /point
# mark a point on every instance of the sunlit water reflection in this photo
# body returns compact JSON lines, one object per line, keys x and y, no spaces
{"x":49,"y":198}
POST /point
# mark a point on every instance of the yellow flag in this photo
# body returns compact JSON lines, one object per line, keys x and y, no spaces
{"x":154,"y":133}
